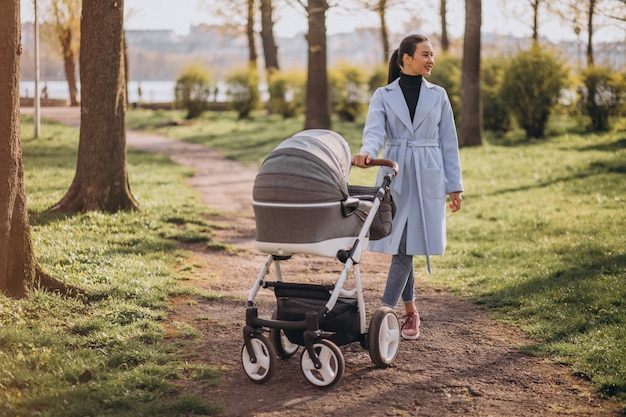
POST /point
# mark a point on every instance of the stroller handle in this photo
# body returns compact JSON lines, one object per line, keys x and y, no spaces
{"x":385,"y":163}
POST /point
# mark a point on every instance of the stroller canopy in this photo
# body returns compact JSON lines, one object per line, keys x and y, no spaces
{"x":310,"y":167}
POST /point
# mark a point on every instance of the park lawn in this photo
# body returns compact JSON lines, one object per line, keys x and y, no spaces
{"x":540,"y":241}
{"x":108,"y":354}
{"x":541,"y":238}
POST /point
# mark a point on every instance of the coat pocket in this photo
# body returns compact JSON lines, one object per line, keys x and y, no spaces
{"x":434,"y":184}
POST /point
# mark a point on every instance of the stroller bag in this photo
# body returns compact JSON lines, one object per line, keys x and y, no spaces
{"x":381,"y":226}
{"x":342,"y":321}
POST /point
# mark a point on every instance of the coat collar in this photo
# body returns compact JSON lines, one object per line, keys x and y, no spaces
{"x":395,"y":99}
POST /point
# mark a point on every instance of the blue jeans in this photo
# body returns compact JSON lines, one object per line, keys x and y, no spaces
{"x":401,"y":279}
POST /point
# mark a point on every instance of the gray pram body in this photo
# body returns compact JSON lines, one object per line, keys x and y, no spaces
{"x":303,"y":205}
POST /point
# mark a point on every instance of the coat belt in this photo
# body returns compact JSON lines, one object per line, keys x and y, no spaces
{"x":402,"y":145}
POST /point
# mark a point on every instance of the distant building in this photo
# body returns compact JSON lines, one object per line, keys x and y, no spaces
{"x":161,"y":54}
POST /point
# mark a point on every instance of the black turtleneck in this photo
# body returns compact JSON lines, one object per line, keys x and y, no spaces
{"x":410,"y":85}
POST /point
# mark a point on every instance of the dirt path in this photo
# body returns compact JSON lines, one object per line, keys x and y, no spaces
{"x":463,"y":364}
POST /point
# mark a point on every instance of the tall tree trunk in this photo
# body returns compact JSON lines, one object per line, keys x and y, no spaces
{"x":250,"y":34}
{"x":384,"y":31}
{"x":270,"y":50}
{"x":18,"y":266}
{"x":471,"y":105}
{"x":101,"y":180}
{"x":317,"y":97}
{"x":592,"y":5}
{"x":17,"y":260}
{"x":535,"y":6}
{"x":69,"y":65}
{"x":445,"y":42}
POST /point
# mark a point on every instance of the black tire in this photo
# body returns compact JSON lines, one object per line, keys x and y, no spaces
{"x":263,"y":369}
{"x":284,"y":348}
{"x":333,"y":364}
{"x":384,"y":337}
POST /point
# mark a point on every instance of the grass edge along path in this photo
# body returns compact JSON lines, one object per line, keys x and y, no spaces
{"x":104,"y":355}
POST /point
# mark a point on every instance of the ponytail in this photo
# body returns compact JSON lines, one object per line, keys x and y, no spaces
{"x":394,"y":68}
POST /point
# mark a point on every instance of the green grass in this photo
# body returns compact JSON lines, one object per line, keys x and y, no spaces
{"x":540,"y":241}
{"x":105,"y":355}
{"x":541,"y":238}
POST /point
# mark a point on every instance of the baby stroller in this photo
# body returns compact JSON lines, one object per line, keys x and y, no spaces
{"x":303,"y":205}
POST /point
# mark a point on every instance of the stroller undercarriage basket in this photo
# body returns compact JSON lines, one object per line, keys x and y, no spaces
{"x":293,"y":301}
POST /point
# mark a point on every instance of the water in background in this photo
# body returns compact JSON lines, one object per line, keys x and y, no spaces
{"x":151,"y":91}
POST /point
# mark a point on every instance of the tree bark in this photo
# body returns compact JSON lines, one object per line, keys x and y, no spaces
{"x":18,"y":266}
{"x":445,"y":42}
{"x":535,"y":6}
{"x":384,"y":31}
{"x":69,"y":65}
{"x":317,"y":97}
{"x":250,"y":34}
{"x":270,"y":50}
{"x":101,"y":179}
{"x":471,"y":105}
{"x":17,"y":261}
{"x":592,"y":5}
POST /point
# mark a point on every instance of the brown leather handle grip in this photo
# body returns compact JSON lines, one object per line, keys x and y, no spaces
{"x":385,"y":163}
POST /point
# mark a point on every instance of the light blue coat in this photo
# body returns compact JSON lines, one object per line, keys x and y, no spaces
{"x":427,"y":153}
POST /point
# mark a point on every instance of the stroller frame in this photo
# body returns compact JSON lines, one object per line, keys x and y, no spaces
{"x":322,"y":362}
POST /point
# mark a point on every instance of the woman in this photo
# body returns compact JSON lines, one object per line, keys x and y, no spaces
{"x":411,"y":119}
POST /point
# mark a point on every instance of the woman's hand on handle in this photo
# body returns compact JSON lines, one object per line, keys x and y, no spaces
{"x":362,"y":160}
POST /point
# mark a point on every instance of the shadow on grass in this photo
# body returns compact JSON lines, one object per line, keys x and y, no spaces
{"x":597,"y":169}
{"x":579,"y":311}
{"x":616,"y":145}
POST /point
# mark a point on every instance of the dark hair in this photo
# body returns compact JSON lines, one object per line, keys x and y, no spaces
{"x":407,"y":46}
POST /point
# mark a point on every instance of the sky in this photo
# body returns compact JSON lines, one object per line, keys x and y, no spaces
{"x":179,"y":15}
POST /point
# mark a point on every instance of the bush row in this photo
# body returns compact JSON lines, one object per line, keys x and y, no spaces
{"x":522,"y":89}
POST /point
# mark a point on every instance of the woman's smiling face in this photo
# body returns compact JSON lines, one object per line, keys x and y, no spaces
{"x":422,"y":61}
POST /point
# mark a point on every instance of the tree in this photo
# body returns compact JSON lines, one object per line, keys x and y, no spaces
{"x":596,"y":14}
{"x":445,"y":42}
{"x":534,"y":4}
{"x":101,"y":179}
{"x":18,"y":266}
{"x":239,"y":14}
{"x":250,"y":34}
{"x":317,"y":95}
{"x":380,"y":7}
{"x":17,"y":259}
{"x":590,"y":13}
{"x":470,"y":132}
{"x":270,"y":50}
{"x":62,"y":27}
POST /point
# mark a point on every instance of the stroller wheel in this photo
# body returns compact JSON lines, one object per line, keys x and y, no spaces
{"x":284,"y":347}
{"x":262,"y":370}
{"x":384,"y":337}
{"x":332,"y":367}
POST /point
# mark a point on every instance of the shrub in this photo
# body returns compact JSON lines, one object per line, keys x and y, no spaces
{"x":347,"y":93}
{"x":192,"y":90}
{"x":243,"y":91}
{"x":287,"y":93}
{"x":378,"y":78}
{"x":496,"y":116}
{"x":602,"y":94}
{"x":532,"y":86}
